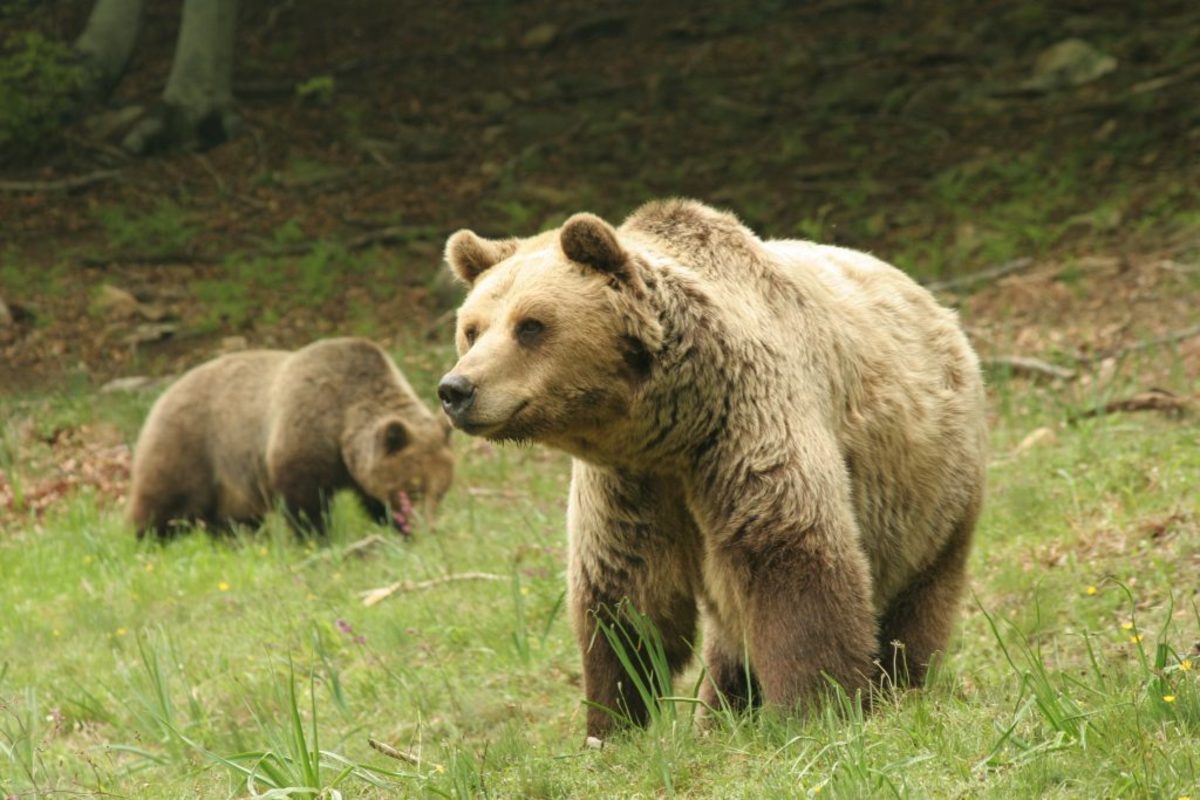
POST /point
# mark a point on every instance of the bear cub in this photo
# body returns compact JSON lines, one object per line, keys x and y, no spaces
{"x":783,"y":440}
{"x":245,"y":431}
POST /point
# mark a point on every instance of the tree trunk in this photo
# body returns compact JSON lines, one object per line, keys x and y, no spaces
{"x":107,"y":42}
{"x":198,"y":100}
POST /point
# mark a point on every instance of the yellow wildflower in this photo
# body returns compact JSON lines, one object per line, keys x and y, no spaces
{"x":1168,"y":698}
{"x":1135,"y":639}
{"x":1092,"y":590}
{"x":1126,"y":626}
{"x":223,"y":586}
{"x":262,"y":551}
{"x":121,"y":631}
{"x":1186,"y":665}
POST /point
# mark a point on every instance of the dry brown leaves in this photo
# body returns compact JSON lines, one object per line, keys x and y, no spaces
{"x":87,"y":456}
{"x":1076,"y":314}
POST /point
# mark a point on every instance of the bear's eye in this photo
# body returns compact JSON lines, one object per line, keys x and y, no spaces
{"x":469,"y":333}
{"x":529,"y":331}
{"x":395,"y":438}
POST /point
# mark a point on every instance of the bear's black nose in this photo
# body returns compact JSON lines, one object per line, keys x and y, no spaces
{"x":457,"y":393}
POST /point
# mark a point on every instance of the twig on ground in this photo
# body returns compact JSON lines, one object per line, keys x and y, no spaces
{"x":434,"y":329}
{"x":391,"y":752}
{"x":1150,"y":400}
{"x":1029,"y":367}
{"x":208,"y":167}
{"x":63,"y":184}
{"x":1037,"y":368}
{"x":1163,"y":81}
{"x":363,"y":546}
{"x":1167,"y":338}
{"x":983,"y":275}
{"x":374,"y":596}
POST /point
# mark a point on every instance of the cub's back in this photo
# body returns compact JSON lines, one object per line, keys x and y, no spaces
{"x":214,"y":409}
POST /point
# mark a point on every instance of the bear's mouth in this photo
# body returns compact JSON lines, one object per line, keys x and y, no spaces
{"x":490,"y":430}
{"x":401,"y":510}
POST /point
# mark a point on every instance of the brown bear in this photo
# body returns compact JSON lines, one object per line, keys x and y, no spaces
{"x":784,"y":438}
{"x":236,"y":435}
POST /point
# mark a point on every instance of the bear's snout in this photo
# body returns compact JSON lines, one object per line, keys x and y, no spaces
{"x":457,"y":393}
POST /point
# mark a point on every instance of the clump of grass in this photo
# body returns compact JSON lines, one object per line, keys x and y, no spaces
{"x":22,"y":734}
{"x":166,"y":229}
{"x":293,"y":763}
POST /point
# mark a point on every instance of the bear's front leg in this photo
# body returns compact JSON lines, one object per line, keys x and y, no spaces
{"x":809,"y":619}
{"x":790,"y":579}
{"x":631,"y":542}
{"x":302,"y":488}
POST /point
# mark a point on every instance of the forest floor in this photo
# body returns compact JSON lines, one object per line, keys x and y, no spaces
{"x":931,"y":136}
{"x":1059,"y":211}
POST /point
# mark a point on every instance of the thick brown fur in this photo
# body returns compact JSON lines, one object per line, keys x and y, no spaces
{"x":782,"y":438}
{"x":237,"y":435}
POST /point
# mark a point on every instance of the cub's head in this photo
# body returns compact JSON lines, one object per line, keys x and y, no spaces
{"x":402,"y":460}
{"x":554,"y":336}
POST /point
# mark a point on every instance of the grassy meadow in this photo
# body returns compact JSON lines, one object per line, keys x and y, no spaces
{"x":252,"y":668}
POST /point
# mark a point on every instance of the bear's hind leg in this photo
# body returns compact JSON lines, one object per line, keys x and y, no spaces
{"x":918,"y":623}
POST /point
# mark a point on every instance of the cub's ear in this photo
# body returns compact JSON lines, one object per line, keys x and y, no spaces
{"x":395,"y":437}
{"x":586,"y":239}
{"x":469,"y":255}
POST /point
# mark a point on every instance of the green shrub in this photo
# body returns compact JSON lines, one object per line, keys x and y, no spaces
{"x":39,"y":81}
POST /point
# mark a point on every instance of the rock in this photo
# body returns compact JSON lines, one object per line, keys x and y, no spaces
{"x":132,"y":383}
{"x":115,"y":303}
{"x":232,"y":344}
{"x":539,"y":37}
{"x":592,"y":743}
{"x":445,"y":293}
{"x":1071,"y":62}
{"x":151,"y":332}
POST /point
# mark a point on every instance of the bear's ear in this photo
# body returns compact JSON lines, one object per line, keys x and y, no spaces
{"x":470,"y":255}
{"x":586,"y":239}
{"x":395,"y":437}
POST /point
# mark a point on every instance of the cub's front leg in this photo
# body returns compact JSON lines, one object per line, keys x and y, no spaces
{"x":631,"y":542}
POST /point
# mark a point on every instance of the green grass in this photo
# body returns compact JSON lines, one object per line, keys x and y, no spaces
{"x":168,"y":228}
{"x":250,"y":666}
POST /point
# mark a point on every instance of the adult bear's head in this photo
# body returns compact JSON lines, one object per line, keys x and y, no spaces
{"x":554,"y":336}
